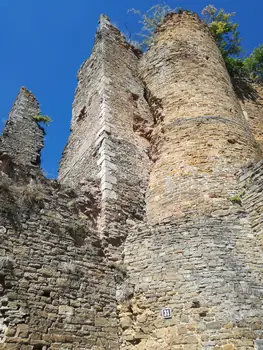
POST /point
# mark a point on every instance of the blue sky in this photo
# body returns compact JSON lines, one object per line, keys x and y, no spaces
{"x":44,"y":42}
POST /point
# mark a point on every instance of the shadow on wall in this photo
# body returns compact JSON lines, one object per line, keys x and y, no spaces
{"x":245,"y":90}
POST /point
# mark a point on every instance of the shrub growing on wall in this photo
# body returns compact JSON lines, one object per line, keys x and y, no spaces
{"x":254,"y":64}
{"x":224,"y":30}
{"x":150,"y":21}
{"x":43,"y":119}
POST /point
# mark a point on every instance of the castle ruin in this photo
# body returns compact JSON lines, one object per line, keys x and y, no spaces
{"x":151,"y":239}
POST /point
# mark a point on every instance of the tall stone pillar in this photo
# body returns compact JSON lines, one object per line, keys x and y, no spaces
{"x":203,"y":136}
{"x":22,"y":137}
{"x":110,"y":132}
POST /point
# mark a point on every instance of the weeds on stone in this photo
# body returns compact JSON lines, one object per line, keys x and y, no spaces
{"x":77,"y":231}
{"x":4,"y":184}
{"x":55,"y":224}
{"x":120,"y":269}
{"x":6,"y":263}
{"x":237,"y":199}
{"x":249,"y":182}
{"x":68,"y":267}
{"x":43,"y":119}
{"x":31,"y":194}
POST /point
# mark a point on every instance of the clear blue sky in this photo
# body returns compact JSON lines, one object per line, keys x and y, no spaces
{"x":44,"y":42}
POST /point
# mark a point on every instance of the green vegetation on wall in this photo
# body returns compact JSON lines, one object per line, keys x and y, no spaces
{"x":150,"y":21}
{"x":224,"y":30}
{"x":42,"y":119}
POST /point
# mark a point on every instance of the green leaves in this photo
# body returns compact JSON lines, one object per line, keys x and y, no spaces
{"x":150,"y":21}
{"x":227,"y":36}
{"x":43,"y":119}
{"x":236,"y":68}
{"x":224,"y":30}
{"x":254,"y":64}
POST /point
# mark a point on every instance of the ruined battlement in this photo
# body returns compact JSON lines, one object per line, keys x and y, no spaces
{"x":22,"y":138}
{"x":157,"y":205}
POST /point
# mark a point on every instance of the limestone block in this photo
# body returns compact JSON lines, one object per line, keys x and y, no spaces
{"x":109,"y":194}
{"x":22,"y":330}
{"x":2,"y":230}
{"x":107,"y":178}
{"x":66,"y":310}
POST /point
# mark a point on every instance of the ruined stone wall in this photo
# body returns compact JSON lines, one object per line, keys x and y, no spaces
{"x":197,"y":254}
{"x":130,"y":120}
{"x":251,"y":179}
{"x":22,"y":138}
{"x":202,"y":136}
{"x":171,"y":115}
{"x":80,"y":157}
{"x":208,"y":270}
{"x":251,"y":100}
{"x":56,"y":290}
{"x":111,"y":128}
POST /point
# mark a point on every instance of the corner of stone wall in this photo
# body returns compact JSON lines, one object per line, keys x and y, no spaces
{"x":110,"y":136}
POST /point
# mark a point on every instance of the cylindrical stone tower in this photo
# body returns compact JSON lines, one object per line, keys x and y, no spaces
{"x":195,"y":267}
{"x":203,"y":136}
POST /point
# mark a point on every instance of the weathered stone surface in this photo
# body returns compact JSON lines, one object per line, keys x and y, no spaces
{"x":202,"y":137}
{"x":212,"y":295}
{"x":251,"y":100}
{"x":54,"y":280}
{"x":110,"y":131}
{"x":166,"y":211}
{"x":22,"y":138}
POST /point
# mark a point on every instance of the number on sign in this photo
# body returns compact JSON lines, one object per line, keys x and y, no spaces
{"x":166,"y":313}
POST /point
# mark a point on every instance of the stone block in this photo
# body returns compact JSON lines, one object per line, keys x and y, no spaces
{"x":66,"y":310}
{"x":22,"y":330}
{"x":109,"y":194}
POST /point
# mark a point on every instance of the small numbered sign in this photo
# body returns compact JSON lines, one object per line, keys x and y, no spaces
{"x":166,"y":313}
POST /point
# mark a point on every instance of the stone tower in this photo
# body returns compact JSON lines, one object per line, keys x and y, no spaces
{"x":203,"y":137}
{"x":111,"y":127}
{"x":171,"y":122}
{"x":152,"y":239}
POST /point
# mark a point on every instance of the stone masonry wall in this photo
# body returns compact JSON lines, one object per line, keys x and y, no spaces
{"x":80,"y":157}
{"x":251,"y":100}
{"x":202,"y":137}
{"x":22,"y":138}
{"x":56,"y":289}
{"x":197,"y":254}
{"x":158,"y":206}
{"x":208,"y":270}
{"x":111,"y":139}
{"x":251,"y":197}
